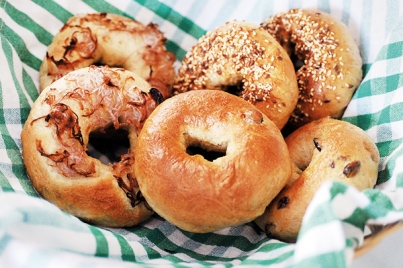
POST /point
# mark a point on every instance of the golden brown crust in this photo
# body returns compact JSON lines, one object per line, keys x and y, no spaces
{"x":56,"y":134}
{"x":321,"y":150}
{"x":113,"y":40}
{"x":332,"y":65}
{"x":194,"y":193}
{"x":239,"y":54}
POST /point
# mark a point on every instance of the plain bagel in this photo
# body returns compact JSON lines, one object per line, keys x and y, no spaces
{"x":321,"y":150}
{"x":56,"y":134}
{"x":201,"y":194}
{"x":113,"y":40}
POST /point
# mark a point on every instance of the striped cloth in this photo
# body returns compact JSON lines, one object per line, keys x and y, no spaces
{"x":35,"y":233}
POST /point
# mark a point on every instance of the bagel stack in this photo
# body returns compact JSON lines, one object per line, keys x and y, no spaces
{"x":206,"y":147}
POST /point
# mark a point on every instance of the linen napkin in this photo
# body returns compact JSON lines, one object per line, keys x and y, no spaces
{"x":35,"y":233}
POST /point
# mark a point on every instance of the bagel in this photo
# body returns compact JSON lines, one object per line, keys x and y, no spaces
{"x":56,"y":134}
{"x":241,"y":58}
{"x":324,"y":149}
{"x":331,"y":65}
{"x":206,"y":160}
{"x":109,"y":39}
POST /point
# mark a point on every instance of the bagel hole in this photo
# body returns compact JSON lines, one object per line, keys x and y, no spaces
{"x":107,"y":146}
{"x":206,"y":154}
{"x":234,"y":89}
{"x":297,"y":60}
{"x":207,"y":150}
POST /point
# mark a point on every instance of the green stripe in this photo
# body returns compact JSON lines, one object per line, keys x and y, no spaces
{"x":183,"y":23}
{"x":228,"y":240}
{"x":126,"y":250}
{"x":14,"y":116}
{"x":5,"y":240}
{"x":4,"y":183}
{"x":160,"y":240}
{"x":25,"y":21}
{"x":8,"y":52}
{"x":381,"y":201}
{"x":53,"y":8}
{"x":386,"y":115}
{"x":386,"y":149}
{"x":390,"y":51}
{"x":32,"y":91}
{"x":102,"y":249}
{"x":172,"y":16}
{"x":365,"y":68}
{"x":18,"y":43}
{"x":378,"y":86}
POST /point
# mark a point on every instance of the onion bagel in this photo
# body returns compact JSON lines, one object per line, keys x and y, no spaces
{"x":113,"y":40}
{"x":56,"y":134}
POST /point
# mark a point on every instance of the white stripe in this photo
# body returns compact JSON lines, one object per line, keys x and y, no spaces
{"x":210,"y":11}
{"x":9,"y":94}
{"x":10,"y":97}
{"x":62,"y":259}
{"x":345,"y":204}
{"x":8,"y":256}
{"x":377,"y":32}
{"x":4,"y":156}
{"x":75,"y":7}
{"x":378,"y":134}
{"x":352,"y":231}
{"x":355,"y":20}
{"x":325,"y":238}
{"x":272,"y":254}
{"x":336,"y":9}
{"x":34,"y":74}
{"x":39,"y":15}
{"x":53,"y":237}
{"x":281,"y":6}
{"x":170,"y":30}
{"x":322,"y":195}
{"x":373,"y":104}
{"x":243,"y":9}
{"x":183,"y":7}
{"x":30,"y":40}
{"x":122,"y":5}
{"x":144,"y":15}
{"x":384,"y":68}
{"x":354,"y":23}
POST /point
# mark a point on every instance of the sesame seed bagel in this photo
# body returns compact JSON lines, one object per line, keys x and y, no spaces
{"x":113,"y":40}
{"x":331,"y":62}
{"x":206,"y":160}
{"x":242,"y":58}
{"x":56,"y":134}
{"x":324,"y":149}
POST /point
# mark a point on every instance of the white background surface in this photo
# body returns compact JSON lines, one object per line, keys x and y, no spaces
{"x":388,"y":253}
